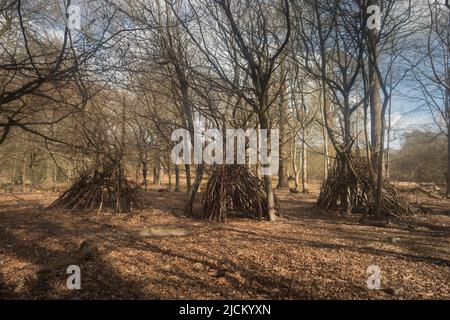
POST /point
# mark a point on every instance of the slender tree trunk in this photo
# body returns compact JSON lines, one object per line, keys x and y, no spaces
{"x":347,"y":154}
{"x":375,"y":116}
{"x":169,"y":176}
{"x":380,"y":173}
{"x":270,"y":199}
{"x":177,"y":178}
{"x":13,"y":175}
{"x":55,"y":177}
{"x":187,"y":169}
{"x":326,"y":160}
{"x":294,"y":164}
{"x":304,"y":166}
{"x":189,"y":118}
{"x":283,"y":179}
{"x":348,"y":197}
{"x":375,"y":104}
{"x":155,"y":172}
{"x":257,"y":161}
{"x":144,"y":173}
{"x":447,"y":106}
{"x":24,"y":171}
{"x":193,"y":191}
{"x":448,"y":157}
{"x":447,"y":102}
{"x":160,"y":175}
{"x":32,"y":176}
{"x":388,"y":147}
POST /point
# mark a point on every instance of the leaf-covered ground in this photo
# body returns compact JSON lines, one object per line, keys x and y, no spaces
{"x":308,"y":255}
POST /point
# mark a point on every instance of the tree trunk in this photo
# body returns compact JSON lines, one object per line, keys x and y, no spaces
{"x":189,"y":118}
{"x":193,"y":190}
{"x":375,"y":116}
{"x":375,"y":105}
{"x":24,"y":171}
{"x":294,"y":164}
{"x":304,"y":168}
{"x":283,"y":179}
{"x":448,"y":158}
{"x":447,"y":105}
{"x":380,"y":173}
{"x":187,"y":169}
{"x":270,"y":199}
{"x":348,"y":191}
{"x":155,"y":172}
{"x":32,"y":177}
{"x":388,"y":146}
{"x":177,"y":178}
{"x":160,"y":175}
{"x":347,"y":154}
{"x":447,"y":109}
{"x":144,"y":173}
{"x":326,"y":160}
{"x":13,"y":174}
{"x":169,"y":176}
{"x":55,"y":177}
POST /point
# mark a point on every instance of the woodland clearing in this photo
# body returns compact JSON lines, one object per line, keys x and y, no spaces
{"x":308,"y":254}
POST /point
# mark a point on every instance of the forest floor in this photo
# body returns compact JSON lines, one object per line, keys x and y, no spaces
{"x":307,"y":255}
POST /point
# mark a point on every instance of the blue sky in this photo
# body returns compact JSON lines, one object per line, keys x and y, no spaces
{"x":408,"y":115}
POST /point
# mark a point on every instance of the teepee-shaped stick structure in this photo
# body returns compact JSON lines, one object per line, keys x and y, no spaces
{"x":97,"y":189}
{"x":233,"y":190}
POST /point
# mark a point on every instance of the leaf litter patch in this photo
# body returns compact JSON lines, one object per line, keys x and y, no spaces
{"x":164,"y":231}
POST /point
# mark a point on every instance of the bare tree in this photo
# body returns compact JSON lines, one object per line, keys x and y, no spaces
{"x":251,"y":38}
{"x":37,"y":67}
{"x":330,"y":49}
{"x":432,"y":72}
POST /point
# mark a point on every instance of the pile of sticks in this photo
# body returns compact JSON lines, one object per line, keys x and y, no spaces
{"x":97,"y":189}
{"x":234,"y":190}
{"x":356,"y":177}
